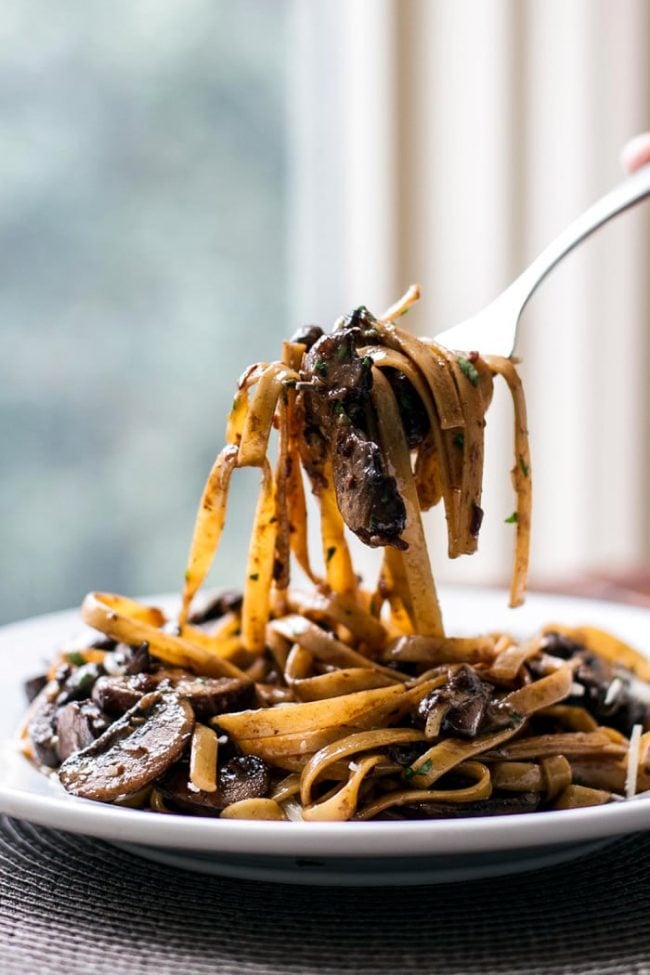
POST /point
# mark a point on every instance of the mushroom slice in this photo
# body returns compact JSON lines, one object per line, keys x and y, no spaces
{"x":208,"y":696}
{"x":40,"y":728}
{"x":134,"y":751}
{"x":78,"y":724}
{"x":496,"y":806}
{"x":242,"y":778}
{"x":116,"y":695}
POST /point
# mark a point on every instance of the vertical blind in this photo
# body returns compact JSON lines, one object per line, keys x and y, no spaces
{"x":454,"y":139}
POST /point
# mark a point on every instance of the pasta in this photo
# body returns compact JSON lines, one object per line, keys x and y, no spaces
{"x":341,"y":701}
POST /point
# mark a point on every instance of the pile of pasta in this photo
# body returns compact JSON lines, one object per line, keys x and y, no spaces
{"x":365,"y":707}
{"x":340,"y":693}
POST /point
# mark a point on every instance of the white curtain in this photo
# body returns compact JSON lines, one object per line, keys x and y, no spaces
{"x":446,"y":142}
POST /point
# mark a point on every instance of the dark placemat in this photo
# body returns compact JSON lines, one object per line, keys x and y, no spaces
{"x":73,"y":905}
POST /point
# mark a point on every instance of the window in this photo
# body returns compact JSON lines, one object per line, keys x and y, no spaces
{"x":143,"y":200}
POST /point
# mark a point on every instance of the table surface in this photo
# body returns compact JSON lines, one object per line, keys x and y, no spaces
{"x":70,"y":904}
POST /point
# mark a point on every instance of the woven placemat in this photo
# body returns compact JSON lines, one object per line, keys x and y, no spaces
{"x":72,"y":905}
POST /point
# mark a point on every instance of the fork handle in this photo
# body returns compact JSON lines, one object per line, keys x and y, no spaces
{"x":623,"y":196}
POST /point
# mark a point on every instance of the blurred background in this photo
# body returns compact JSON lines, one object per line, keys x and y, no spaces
{"x":183,"y":183}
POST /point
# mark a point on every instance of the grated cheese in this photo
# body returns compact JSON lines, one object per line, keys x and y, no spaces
{"x":113,"y":667}
{"x":613,"y":691}
{"x":633,"y":762}
{"x":292,"y":810}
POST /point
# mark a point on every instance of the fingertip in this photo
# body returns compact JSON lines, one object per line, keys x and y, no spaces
{"x":636,"y":152}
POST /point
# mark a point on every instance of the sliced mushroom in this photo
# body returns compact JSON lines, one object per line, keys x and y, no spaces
{"x":41,"y":731}
{"x":465,"y":705}
{"x":78,"y":724}
{"x":207,"y":695}
{"x":177,"y":790}
{"x":102,"y":642}
{"x":243,"y":777}
{"x":229,"y":601}
{"x":334,"y":401}
{"x":127,"y":659}
{"x":496,"y":806}
{"x":307,"y":335}
{"x":41,"y":718}
{"x":116,"y":695}
{"x":67,"y":685}
{"x":611,"y":694}
{"x":210,"y":696}
{"x":462,"y":702}
{"x":34,"y":685}
{"x":134,"y":751}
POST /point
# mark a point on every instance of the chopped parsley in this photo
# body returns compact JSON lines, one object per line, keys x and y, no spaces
{"x":254,"y":576}
{"x":320,"y":366}
{"x":512,"y":519}
{"x":76,"y":658}
{"x":366,"y":362}
{"x":342,"y":353}
{"x":459,"y":440}
{"x":329,"y":554}
{"x":525,"y":469}
{"x":86,"y":678}
{"x":469,"y":369}
{"x":188,"y":575}
{"x":339,"y":410}
{"x":424,"y":769}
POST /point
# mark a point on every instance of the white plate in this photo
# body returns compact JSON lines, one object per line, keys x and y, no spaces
{"x":325,"y":853}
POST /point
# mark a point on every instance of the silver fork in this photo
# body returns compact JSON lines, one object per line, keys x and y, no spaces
{"x":494,"y":330}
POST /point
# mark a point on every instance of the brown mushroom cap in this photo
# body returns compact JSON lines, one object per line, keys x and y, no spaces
{"x":134,"y":751}
{"x":243,"y":777}
{"x":116,"y":695}
{"x":41,"y":731}
{"x":208,"y":696}
{"x":78,"y":724}
{"x":496,"y":806}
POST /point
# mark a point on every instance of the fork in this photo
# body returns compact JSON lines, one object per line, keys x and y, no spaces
{"x":493,"y":331}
